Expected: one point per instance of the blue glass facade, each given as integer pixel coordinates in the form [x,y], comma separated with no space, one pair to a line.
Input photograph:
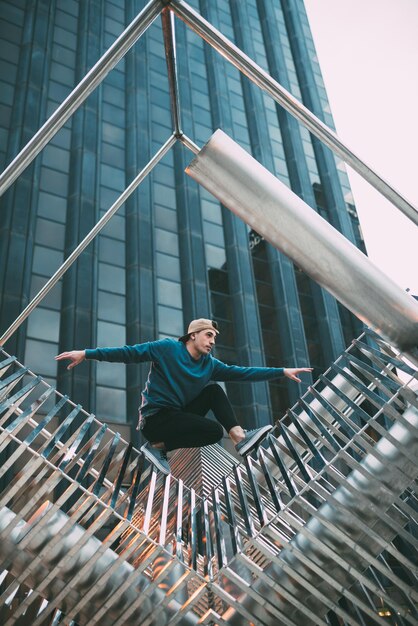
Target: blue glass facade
[171,252]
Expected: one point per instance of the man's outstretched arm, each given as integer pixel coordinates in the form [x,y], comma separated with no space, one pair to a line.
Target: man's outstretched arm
[225,372]
[124,354]
[75,356]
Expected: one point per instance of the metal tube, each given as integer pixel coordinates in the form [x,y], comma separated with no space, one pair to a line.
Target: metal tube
[87,239]
[92,79]
[167,19]
[263,80]
[189,144]
[288,223]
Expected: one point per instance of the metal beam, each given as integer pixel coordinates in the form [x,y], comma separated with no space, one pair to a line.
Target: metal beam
[263,80]
[87,239]
[288,223]
[92,79]
[167,19]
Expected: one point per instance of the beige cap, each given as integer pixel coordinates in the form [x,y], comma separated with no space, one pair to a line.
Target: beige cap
[196,326]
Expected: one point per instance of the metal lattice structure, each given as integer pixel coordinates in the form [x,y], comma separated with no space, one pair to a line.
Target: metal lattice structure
[318,527]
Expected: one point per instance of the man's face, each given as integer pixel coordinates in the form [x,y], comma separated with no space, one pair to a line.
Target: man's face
[204,341]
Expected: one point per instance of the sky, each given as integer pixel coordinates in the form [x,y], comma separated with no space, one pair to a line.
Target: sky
[368,53]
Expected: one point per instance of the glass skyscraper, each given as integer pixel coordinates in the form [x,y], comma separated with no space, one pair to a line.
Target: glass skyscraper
[171,253]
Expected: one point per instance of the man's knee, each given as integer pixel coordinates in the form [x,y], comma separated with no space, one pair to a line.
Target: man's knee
[216,432]
[216,391]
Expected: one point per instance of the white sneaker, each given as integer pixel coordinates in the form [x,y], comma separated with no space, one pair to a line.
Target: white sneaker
[252,439]
[157,457]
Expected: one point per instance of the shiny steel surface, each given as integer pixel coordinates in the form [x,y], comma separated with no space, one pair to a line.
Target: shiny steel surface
[287,222]
[98,537]
[263,80]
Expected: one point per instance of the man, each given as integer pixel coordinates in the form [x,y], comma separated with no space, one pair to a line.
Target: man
[177,395]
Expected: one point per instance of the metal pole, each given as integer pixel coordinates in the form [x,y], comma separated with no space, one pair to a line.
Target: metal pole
[87,239]
[288,223]
[92,79]
[167,19]
[189,144]
[262,79]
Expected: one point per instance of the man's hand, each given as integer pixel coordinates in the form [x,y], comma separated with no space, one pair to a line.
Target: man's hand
[75,356]
[292,372]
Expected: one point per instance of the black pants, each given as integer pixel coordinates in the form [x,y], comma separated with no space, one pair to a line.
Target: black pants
[188,427]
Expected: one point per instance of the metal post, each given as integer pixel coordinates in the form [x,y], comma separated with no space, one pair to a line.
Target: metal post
[189,144]
[87,239]
[167,19]
[92,79]
[262,79]
[288,223]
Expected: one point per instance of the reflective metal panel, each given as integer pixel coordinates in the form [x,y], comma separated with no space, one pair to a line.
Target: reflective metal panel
[287,222]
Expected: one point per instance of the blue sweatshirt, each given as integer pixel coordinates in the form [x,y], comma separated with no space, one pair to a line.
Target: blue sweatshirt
[175,377]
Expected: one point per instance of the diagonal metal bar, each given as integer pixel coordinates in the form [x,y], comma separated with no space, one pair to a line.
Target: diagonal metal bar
[44,422]
[150,501]
[60,431]
[99,436]
[14,401]
[9,383]
[286,475]
[164,510]
[293,452]
[233,525]
[343,420]
[92,79]
[379,378]
[219,535]
[207,540]
[263,80]
[121,474]
[262,515]
[366,391]
[8,361]
[186,141]
[193,540]
[16,376]
[245,509]
[311,446]
[135,488]
[106,464]
[23,418]
[72,450]
[178,535]
[316,420]
[88,238]
[370,350]
[269,479]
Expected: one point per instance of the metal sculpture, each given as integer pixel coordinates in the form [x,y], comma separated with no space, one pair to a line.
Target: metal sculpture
[319,525]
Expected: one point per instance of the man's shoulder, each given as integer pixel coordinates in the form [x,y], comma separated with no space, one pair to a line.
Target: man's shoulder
[167,344]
